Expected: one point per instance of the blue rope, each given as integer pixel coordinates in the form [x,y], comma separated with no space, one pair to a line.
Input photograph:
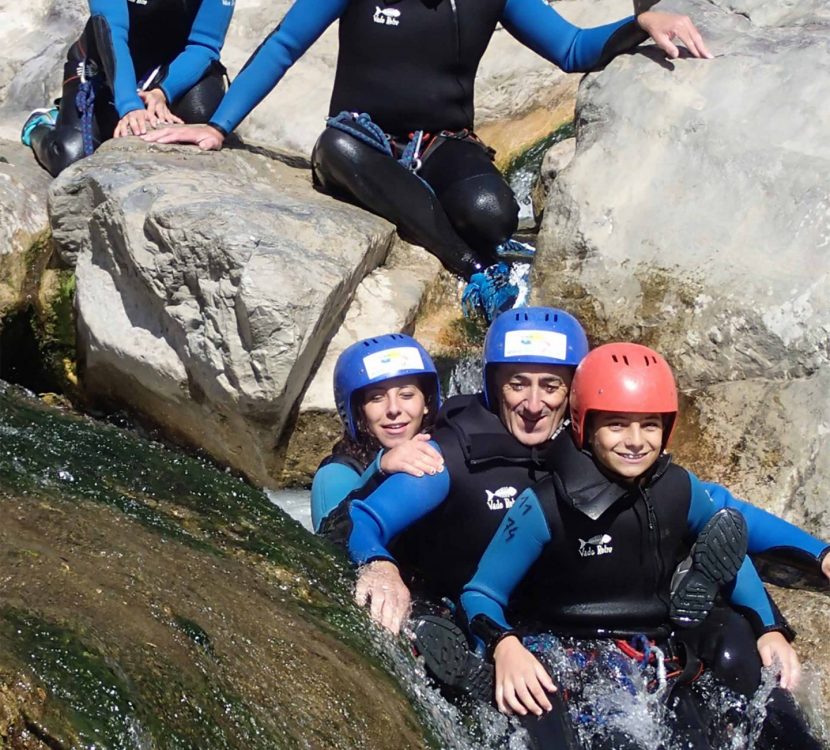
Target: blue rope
[370,133]
[375,137]
[85,102]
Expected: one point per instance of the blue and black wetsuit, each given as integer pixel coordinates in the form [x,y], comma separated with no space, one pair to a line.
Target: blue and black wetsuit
[174,46]
[411,65]
[338,477]
[582,555]
[436,527]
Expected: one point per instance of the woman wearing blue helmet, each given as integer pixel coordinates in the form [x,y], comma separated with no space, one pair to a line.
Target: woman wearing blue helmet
[387,394]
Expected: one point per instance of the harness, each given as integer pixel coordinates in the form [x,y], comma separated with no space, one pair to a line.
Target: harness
[410,153]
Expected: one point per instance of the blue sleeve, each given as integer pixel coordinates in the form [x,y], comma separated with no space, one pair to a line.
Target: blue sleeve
[749,595]
[516,545]
[330,485]
[767,532]
[124,81]
[305,21]
[538,26]
[334,482]
[400,501]
[203,46]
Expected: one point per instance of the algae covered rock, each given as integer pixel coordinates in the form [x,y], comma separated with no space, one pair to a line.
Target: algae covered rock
[148,600]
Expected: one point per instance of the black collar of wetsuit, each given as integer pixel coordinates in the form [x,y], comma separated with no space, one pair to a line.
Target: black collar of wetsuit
[482,436]
[583,484]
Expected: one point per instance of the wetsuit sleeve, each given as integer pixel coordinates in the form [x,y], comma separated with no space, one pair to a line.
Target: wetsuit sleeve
[776,539]
[330,485]
[516,545]
[123,80]
[335,482]
[203,46]
[305,21]
[538,26]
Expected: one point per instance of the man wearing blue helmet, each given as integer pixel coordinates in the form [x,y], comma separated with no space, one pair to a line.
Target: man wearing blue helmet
[493,445]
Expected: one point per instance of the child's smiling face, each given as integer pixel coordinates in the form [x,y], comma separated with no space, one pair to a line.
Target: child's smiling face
[627,443]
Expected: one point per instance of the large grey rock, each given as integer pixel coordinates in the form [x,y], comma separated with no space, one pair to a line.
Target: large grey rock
[208,286]
[23,186]
[695,214]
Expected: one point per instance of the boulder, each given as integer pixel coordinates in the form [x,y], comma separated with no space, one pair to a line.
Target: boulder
[694,215]
[208,286]
[23,233]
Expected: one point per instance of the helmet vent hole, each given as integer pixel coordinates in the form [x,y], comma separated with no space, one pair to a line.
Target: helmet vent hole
[625,359]
[614,357]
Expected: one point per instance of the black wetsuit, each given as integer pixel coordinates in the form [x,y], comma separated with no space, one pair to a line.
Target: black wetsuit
[411,65]
[488,470]
[171,45]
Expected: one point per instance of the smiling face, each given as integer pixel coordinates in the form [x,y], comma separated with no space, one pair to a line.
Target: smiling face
[627,443]
[394,410]
[533,400]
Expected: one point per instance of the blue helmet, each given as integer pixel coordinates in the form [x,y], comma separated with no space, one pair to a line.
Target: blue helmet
[532,335]
[374,360]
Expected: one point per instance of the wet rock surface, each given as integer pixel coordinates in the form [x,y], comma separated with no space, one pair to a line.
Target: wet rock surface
[148,600]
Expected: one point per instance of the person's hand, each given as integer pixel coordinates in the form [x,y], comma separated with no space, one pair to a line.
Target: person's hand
[521,681]
[205,137]
[380,583]
[663,28]
[774,647]
[157,110]
[825,566]
[416,457]
[136,122]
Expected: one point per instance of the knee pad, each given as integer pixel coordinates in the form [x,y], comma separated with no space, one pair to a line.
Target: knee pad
[482,209]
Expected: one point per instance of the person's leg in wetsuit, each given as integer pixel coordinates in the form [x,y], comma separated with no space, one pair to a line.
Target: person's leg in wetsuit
[347,167]
[59,145]
[726,643]
[459,208]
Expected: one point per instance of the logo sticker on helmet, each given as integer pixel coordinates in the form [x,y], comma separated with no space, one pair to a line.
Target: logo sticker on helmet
[390,362]
[535,344]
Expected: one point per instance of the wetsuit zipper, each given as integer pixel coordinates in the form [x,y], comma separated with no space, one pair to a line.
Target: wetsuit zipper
[654,542]
[457,24]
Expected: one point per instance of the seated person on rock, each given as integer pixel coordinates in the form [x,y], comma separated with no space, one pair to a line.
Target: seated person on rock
[401,138]
[136,65]
[591,550]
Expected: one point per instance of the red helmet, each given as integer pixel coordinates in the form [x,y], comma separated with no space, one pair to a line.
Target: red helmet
[622,378]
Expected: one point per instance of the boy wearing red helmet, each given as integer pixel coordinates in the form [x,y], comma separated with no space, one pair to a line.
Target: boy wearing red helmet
[595,545]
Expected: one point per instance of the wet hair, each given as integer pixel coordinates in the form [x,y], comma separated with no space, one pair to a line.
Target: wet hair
[366,446]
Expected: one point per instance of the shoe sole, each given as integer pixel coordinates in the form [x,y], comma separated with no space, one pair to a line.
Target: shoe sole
[718,555]
[449,660]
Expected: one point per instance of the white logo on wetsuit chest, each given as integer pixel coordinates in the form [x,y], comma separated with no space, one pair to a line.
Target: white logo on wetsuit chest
[386,16]
[503,497]
[596,545]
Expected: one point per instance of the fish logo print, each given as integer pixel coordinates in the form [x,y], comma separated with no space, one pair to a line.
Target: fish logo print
[503,497]
[596,545]
[386,16]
